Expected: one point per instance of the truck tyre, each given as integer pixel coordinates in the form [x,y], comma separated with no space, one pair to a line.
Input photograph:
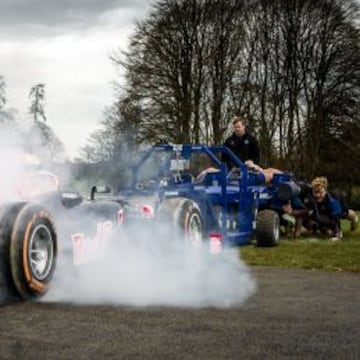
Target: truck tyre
[28,250]
[267,228]
[182,219]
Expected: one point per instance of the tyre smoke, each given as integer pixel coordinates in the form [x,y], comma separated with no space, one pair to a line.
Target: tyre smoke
[13,162]
[142,270]
[138,267]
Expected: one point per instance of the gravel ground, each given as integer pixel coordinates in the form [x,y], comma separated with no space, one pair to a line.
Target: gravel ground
[294,314]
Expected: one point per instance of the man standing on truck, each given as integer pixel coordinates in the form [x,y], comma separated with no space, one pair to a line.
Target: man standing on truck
[243,144]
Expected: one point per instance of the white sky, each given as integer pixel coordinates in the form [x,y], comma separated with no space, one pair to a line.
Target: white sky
[66,45]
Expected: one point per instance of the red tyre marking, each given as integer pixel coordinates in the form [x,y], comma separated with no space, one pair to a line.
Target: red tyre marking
[25,251]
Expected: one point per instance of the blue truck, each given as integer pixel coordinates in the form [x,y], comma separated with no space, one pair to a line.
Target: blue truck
[231,205]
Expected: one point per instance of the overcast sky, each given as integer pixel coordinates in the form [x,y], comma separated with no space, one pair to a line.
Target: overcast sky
[66,45]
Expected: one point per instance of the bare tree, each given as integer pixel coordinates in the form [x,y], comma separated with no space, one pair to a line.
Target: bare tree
[180,65]
[42,139]
[37,99]
[115,144]
[298,79]
[224,41]
[321,63]
[291,67]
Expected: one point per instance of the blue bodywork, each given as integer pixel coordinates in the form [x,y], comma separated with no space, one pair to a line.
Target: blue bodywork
[229,200]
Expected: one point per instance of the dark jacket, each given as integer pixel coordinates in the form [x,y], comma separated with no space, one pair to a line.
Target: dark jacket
[245,147]
[326,213]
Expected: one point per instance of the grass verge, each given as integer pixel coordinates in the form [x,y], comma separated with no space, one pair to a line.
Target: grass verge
[309,253]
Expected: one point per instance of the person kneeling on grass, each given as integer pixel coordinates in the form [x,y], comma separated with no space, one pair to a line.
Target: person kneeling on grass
[317,211]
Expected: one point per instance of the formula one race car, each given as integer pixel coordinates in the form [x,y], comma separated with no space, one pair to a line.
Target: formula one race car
[224,206]
[46,228]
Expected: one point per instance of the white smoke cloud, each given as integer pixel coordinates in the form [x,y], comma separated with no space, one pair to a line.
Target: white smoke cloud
[143,269]
[12,160]
[146,272]
[22,161]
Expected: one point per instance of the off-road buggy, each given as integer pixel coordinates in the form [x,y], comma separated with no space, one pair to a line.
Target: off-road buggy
[228,206]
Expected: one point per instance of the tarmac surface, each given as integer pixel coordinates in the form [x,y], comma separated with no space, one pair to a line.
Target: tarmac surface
[294,314]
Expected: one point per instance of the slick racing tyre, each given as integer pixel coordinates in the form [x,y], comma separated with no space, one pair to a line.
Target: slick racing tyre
[267,228]
[28,250]
[182,219]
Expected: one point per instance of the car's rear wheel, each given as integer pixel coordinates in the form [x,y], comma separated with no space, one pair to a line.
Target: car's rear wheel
[28,250]
[267,228]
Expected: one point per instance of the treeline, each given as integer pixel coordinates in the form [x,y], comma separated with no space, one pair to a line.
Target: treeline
[290,67]
[35,136]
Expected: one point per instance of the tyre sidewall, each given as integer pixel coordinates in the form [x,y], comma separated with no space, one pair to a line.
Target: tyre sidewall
[27,220]
[174,218]
[187,212]
[267,228]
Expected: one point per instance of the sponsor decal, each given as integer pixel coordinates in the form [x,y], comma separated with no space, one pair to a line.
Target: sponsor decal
[86,249]
[265,196]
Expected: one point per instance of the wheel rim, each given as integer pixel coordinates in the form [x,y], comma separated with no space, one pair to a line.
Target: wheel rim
[276,230]
[41,252]
[195,230]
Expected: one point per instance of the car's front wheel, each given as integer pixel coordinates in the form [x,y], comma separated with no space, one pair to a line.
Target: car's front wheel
[28,250]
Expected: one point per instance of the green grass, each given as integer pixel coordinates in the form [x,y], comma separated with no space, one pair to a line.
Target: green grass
[309,253]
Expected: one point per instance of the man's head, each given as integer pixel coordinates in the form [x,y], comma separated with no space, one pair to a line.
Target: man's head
[319,188]
[239,126]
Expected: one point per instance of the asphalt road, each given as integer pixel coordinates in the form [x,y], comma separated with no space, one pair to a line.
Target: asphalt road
[294,314]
